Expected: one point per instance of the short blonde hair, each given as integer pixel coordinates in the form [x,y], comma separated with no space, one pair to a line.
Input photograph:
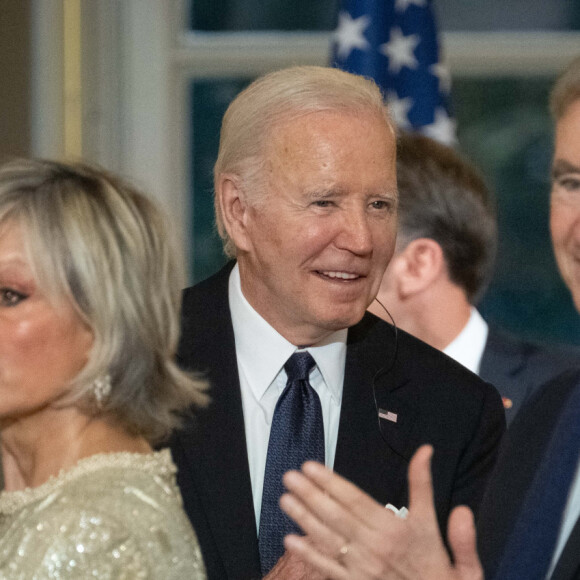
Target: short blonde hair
[278,98]
[566,89]
[95,241]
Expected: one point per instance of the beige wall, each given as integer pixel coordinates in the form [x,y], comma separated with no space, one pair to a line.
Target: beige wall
[14,78]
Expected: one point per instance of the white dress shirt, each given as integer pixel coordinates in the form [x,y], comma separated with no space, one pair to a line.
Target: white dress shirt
[468,346]
[261,354]
[571,514]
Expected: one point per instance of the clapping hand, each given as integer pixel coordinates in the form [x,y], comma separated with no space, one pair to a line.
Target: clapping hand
[349,536]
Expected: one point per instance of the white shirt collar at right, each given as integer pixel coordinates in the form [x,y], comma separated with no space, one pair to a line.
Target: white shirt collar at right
[468,346]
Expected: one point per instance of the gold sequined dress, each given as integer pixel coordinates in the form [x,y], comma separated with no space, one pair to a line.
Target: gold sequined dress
[111,516]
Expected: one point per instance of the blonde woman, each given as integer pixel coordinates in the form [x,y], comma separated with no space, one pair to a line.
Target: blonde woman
[89,300]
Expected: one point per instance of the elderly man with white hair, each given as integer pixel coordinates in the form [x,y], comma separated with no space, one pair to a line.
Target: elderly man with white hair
[306,203]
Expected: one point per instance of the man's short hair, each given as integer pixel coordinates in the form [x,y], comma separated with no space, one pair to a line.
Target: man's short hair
[277,98]
[444,198]
[566,89]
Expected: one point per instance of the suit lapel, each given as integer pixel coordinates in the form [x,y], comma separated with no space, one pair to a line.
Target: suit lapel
[216,446]
[500,360]
[374,452]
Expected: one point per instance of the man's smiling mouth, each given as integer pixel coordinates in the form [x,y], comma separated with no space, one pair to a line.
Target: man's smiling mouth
[336,275]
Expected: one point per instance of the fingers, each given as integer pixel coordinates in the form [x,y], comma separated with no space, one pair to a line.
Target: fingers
[316,498]
[337,539]
[462,540]
[420,485]
[326,522]
[327,566]
[375,544]
[361,507]
[321,535]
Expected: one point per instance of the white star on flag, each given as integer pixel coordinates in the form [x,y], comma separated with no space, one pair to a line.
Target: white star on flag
[350,34]
[395,43]
[399,50]
[442,129]
[441,71]
[402,5]
[399,109]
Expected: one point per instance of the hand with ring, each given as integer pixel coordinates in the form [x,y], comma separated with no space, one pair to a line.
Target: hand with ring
[349,536]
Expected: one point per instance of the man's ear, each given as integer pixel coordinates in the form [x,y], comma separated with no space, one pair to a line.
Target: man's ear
[421,264]
[234,209]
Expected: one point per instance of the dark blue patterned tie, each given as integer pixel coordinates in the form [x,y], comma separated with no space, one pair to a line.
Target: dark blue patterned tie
[530,547]
[296,435]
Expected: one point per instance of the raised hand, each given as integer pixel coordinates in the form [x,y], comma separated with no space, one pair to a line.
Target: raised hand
[349,536]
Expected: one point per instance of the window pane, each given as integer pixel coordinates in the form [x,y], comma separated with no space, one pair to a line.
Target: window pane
[513,15]
[505,128]
[213,15]
[209,101]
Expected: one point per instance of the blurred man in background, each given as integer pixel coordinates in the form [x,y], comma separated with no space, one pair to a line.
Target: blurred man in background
[444,258]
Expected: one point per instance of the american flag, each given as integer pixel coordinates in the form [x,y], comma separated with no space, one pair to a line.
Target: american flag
[395,43]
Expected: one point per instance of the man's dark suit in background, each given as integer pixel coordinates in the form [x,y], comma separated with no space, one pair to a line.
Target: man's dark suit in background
[434,399]
[443,261]
[522,452]
[517,367]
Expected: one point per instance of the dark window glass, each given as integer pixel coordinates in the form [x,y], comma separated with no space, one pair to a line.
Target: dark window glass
[513,15]
[505,128]
[209,101]
[214,15]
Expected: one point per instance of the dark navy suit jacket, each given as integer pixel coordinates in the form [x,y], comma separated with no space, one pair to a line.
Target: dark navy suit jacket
[522,452]
[435,399]
[517,367]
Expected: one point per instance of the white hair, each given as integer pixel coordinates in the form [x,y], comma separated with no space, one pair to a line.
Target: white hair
[278,98]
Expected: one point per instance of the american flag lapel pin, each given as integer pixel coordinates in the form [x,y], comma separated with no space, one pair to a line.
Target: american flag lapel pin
[388,415]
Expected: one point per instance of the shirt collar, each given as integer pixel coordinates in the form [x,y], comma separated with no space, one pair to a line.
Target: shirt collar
[262,365]
[467,347]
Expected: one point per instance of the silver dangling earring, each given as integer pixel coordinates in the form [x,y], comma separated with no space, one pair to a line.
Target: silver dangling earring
[101,389]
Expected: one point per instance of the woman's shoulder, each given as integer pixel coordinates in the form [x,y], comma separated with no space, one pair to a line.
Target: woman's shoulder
[115,513]
[135,478]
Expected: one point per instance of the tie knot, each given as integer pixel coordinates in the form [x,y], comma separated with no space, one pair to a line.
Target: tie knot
[299,365]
